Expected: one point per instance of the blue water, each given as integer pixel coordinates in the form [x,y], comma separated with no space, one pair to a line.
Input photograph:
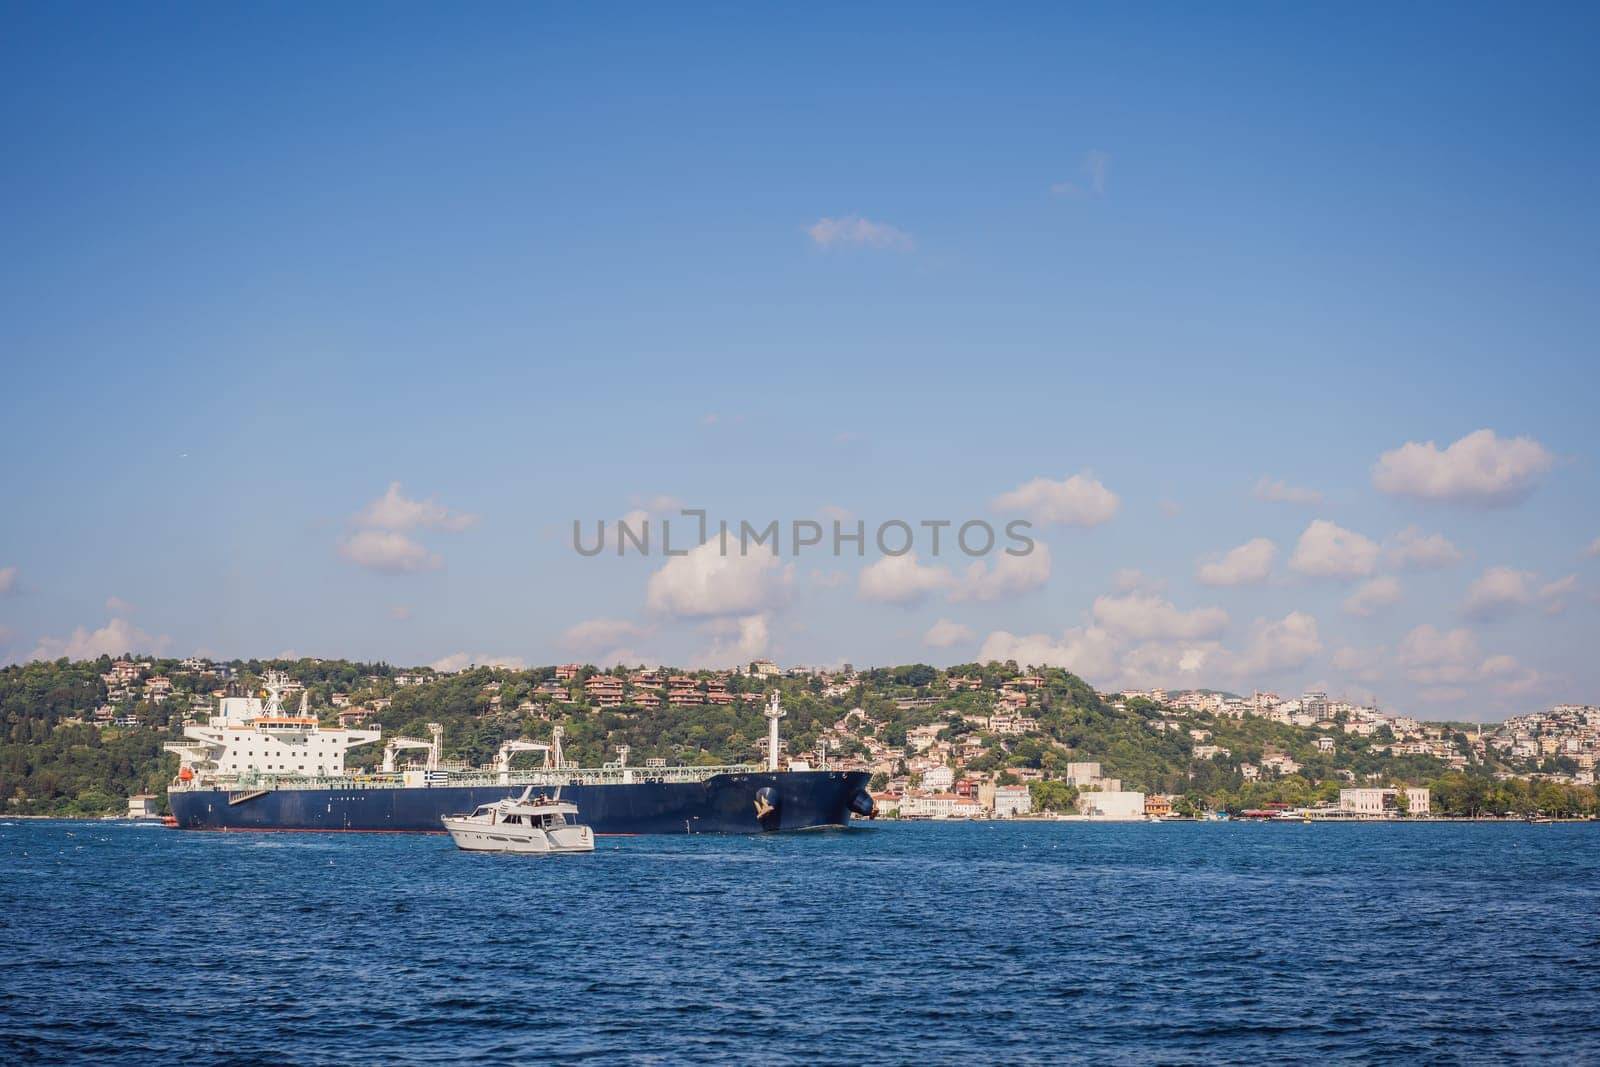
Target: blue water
[913,943]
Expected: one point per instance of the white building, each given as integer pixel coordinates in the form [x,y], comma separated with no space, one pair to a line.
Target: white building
[1011,801]
[939,806]
[1122,804]
[1381,802]
[938,779]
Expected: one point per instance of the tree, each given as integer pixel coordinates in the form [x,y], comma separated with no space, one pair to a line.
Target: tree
[1050,795]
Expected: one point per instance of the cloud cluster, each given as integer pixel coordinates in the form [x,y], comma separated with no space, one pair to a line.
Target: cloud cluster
[847,230]
[1081,500]
[735,640]
[8,580]
[382,540]
[905,582]
[704,583]
[460,661]
[1248,564]
[1137,637]
[1451,658]
[592,635]
[1096,168]
[115,638]
[1415,550]
[1499,591]
[1373,596]
[1481,468]
[947,633]
[388,552]
[1279,491]
[395,511]
[1328,550]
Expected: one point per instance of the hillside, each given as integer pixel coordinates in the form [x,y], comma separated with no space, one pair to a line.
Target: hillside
[79,736]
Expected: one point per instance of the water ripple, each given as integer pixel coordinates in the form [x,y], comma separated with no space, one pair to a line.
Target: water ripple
[923,943]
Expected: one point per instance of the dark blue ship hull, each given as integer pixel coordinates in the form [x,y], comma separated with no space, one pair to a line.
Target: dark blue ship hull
[722,804]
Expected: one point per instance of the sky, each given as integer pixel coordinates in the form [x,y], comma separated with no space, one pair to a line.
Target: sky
[322,325]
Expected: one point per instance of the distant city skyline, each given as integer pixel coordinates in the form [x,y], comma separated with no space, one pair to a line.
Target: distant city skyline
[322,330]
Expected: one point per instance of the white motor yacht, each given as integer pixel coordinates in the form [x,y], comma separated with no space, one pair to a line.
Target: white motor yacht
[528,823]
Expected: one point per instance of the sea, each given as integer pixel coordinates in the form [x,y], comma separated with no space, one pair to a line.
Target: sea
[889,943]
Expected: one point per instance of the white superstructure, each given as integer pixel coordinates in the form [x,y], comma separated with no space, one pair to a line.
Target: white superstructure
[251,736]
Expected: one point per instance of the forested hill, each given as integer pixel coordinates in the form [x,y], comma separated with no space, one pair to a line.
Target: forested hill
[80,736]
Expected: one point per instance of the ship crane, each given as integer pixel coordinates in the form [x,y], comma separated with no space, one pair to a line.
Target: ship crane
[395,744]
[502,759]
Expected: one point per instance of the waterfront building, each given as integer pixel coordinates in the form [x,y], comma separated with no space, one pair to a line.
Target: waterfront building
[1381,802]
[1011,801]
[1120,804]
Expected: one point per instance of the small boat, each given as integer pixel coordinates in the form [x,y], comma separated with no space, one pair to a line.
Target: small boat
[525,824]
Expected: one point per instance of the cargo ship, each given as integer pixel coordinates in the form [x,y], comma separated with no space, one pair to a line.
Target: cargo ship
[257,766]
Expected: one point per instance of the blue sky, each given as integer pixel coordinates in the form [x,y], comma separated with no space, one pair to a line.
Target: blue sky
[537,264]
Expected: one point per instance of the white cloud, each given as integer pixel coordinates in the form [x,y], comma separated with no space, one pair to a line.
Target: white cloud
[704,583]
[1278,644]
[1170,508]
[388,552]
[1452,658]
[902,580]
[113,639]
[1088,652]
[828,579]
[117,606]
[1554,594]
[1482,468]
[1413,549]
[946,634]
[1010,576]
[382,539]
[1373,596]
[1140,639]
[1145,616]
[1281,492]
[860,232]
[1434,657]
[1327,550]
[1132,579]
[400,613]
[1364,665]
[593,634]
[1247,564]
[395,511]
[460,661]
[8,580]
[1592,552]
[1497,592]
[735,641]
[1080,500]
[1096,168]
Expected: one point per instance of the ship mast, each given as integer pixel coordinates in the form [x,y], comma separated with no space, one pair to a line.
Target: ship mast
[774,713]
